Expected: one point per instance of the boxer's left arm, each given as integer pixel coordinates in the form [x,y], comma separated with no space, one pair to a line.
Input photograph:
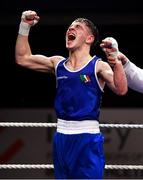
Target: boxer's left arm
[134,74]
[115,77]
[119,81]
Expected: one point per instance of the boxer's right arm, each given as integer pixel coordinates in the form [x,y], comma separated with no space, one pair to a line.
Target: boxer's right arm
[23,54]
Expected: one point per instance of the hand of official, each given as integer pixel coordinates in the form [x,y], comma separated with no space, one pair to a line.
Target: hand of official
[29,18]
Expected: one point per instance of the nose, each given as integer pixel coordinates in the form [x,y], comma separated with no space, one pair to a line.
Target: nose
[71,28]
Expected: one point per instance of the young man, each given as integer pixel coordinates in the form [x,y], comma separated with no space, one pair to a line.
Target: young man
[78,143]
[134,74]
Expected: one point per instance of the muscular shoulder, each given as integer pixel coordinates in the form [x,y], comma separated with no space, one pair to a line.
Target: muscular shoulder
[102,66]
[56,59]
[104,71]
[42,63]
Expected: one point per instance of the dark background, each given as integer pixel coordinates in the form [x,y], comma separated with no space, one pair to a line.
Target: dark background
[21,87]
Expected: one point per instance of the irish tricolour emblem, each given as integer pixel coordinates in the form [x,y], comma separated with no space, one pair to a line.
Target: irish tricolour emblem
[85,78]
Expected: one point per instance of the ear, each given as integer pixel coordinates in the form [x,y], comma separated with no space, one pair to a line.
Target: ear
[90,39]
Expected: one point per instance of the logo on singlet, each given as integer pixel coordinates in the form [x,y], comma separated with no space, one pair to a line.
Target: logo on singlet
[62,77]
[85,78]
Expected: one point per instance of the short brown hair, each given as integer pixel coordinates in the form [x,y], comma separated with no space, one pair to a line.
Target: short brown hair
[92,27]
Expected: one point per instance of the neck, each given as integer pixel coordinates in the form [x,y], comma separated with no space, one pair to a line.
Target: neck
[79,55]
[77,59]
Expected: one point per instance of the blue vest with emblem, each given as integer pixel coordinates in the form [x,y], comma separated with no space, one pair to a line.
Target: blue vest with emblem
[79,94]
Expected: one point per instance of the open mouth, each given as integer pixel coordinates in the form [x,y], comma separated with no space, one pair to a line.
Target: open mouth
[71,37]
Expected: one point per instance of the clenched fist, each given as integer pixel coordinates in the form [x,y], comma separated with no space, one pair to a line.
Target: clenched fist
[30,17]
[110,47]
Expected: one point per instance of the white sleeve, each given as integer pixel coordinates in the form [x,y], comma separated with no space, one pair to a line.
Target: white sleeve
[134,76]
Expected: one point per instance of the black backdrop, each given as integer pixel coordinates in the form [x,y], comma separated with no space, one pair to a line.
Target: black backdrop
[21,87]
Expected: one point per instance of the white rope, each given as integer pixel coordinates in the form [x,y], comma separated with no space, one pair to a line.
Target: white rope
[26,166]
[125,167]
[121,125]
[28,124]
[50,166]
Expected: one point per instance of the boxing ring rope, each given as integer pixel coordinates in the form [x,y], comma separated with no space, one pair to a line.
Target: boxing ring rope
[50,166]
[27,124]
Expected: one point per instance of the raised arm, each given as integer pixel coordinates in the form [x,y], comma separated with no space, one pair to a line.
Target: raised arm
[23,54]
[134,74]
[114,77]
